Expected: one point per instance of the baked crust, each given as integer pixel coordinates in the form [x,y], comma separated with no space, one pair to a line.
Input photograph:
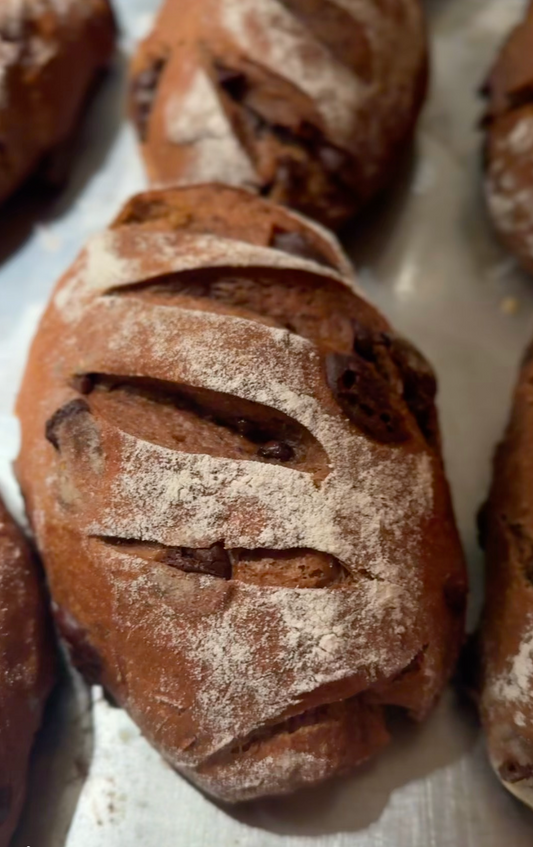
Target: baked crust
[51,52]
[509,142]
[232,468]
[310,103]
[26,667]
[507,628]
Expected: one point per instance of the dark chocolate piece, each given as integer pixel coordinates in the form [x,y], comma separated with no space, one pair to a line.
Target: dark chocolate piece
[365,397]
[279,451]
[393,356]
[514,772]
[233,82]
[211,561]
[70,410]
[83,383]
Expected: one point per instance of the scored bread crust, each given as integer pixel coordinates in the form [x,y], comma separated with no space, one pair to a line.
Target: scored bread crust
[240,499]
[509,142]
[506,690]
[307,102]
[50,53]
[26,667]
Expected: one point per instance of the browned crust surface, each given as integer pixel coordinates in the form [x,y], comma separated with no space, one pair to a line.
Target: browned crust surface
[507,631]
[310,103]
[50,54]
[509,142]
[232,467]
[26,667]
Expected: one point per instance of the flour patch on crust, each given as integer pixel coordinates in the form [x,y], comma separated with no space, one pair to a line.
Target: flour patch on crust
[516,684]
[196,120]
[318,637]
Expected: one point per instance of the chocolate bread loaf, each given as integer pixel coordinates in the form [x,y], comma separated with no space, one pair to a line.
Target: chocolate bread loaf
[232,467]
[509,142]
[51,52]
[26,667]
[307,102]
[507,631]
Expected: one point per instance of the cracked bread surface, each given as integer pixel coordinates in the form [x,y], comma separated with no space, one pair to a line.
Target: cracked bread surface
[232,467]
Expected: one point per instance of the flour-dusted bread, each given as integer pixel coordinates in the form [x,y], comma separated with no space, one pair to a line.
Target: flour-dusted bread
[232,467]
[26,667]
[51,51]
[509,142]
[310,103]
[507,632]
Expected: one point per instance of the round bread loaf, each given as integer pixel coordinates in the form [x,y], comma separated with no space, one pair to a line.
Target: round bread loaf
[26,667]
[50,53]
[232,467]
[507,631]
[310,103]
[509,142]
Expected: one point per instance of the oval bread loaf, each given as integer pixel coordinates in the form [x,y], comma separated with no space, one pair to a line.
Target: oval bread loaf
[507,630]
[51,51]
[310,103]
[232,467]
[509,142]
[26,667]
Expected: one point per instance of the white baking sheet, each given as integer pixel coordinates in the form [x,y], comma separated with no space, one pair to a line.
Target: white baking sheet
[429,259]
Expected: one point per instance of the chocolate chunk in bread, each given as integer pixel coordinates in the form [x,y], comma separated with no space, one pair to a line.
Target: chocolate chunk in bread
[83,383]
[66,412]
[419,386]
[513,772]
[280,451]
[406,370]
[232,81]
[212,561]
[365,397]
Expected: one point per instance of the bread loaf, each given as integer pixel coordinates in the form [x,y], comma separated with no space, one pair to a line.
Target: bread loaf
[509,142]
[310,103]
[26,667]
[50,54]
[232,467]
[507,631]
